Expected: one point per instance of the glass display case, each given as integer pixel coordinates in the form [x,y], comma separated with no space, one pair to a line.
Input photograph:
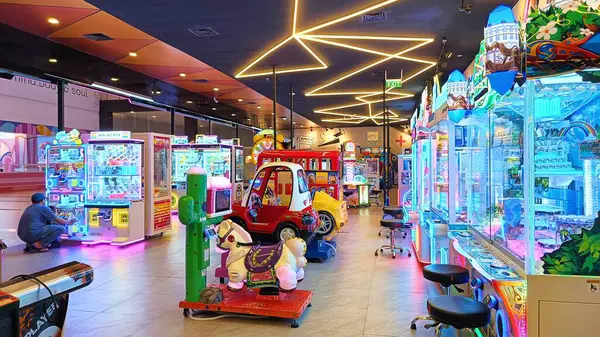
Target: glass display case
[115,172]
[439,200]
[66,183]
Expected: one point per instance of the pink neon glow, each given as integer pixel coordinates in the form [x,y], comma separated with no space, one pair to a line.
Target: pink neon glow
[91,243]
[126,243]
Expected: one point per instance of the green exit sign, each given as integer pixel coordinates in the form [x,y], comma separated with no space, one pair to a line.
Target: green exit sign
[393,84]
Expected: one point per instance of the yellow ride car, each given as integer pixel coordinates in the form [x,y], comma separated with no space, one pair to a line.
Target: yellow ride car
[333,213]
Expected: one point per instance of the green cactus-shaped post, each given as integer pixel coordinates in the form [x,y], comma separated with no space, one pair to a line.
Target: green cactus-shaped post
[192,213]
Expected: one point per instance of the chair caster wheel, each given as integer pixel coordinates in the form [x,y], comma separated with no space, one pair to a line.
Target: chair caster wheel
[376,254]
[295,325]
[379,234]
[413,326]
[409,254]
[381,250]
[186,312]
[393,256]
[401,250]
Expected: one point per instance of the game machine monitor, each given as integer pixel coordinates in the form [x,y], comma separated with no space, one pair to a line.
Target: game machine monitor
[219,197]
[157,182]
[66,181]
[115,194]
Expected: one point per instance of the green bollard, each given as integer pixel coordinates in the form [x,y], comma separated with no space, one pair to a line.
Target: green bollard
[192,213]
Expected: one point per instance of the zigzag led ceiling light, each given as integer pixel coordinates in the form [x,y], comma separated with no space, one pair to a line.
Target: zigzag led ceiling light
[311,34]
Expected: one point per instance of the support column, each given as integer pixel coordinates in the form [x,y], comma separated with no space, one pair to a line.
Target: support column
[291,116]
[61,105]
[190,126]
[172,121]
[237,131]
[274,107]
[209,127]
[383,142]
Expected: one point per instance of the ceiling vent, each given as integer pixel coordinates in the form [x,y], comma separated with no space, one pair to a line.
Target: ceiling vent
[374,17]
[203,31]
[97,37]
[201,80]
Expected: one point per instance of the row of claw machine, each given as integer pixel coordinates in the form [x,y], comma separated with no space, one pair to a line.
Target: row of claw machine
[218,157]
[117,186]
[509,168]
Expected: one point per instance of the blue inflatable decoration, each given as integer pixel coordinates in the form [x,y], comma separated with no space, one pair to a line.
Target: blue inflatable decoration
[503,49]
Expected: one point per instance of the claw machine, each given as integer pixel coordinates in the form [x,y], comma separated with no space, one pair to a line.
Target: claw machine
[237,167]
[157,182]
[115,194]
[183,158]
[66,181]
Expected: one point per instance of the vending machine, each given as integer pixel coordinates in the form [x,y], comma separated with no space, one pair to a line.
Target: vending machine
[157,182]
[237,167]
[66,181]
[115,194]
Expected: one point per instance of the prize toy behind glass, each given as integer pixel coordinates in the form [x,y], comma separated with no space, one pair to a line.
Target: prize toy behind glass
[115,197]
[66,181]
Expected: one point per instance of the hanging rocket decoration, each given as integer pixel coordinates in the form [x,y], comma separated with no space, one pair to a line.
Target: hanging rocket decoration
[457,101]
[503,49]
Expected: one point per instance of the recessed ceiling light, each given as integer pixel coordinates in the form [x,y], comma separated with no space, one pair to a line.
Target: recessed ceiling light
[258,107]
[131,112]
[293,122]
[153,116]
[52,60]
[182,75]
[158,92]
[114,79]
[216,89]
[248,118]
[189,102]
[459,55]
[232,115]
[285,118]
[240,100]
[301,126]
[53,21]
[133,54]
[214,109]
[272,113]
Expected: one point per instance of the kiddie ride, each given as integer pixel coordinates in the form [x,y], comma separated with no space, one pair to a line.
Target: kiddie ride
[274,270]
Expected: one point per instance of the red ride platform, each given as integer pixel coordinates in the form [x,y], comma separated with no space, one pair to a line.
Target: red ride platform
[250,302]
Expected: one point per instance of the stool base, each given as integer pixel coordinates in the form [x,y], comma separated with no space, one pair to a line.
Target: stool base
[439,326]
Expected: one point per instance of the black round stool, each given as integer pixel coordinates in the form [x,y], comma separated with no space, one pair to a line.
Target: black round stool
[393,225]
[446,275]
[458,312]
[393,213]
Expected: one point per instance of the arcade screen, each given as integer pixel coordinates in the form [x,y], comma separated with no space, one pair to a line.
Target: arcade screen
[114,172]
[222,200]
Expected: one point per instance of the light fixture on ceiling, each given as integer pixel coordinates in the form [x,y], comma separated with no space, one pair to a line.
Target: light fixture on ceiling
[153,116]
[240,100]
[158,92]
[448,54]
[216,89]
[259,107]
[272,113]
[182,75]
[53,21]
[189,102]
[131,112]
[232,115]
[285,118]
[293,122]
[114,79]
[459,55]
[214,109]
[133,54]
[53,60]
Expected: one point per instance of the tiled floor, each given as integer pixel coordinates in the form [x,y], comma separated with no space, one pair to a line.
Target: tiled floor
[137,289]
